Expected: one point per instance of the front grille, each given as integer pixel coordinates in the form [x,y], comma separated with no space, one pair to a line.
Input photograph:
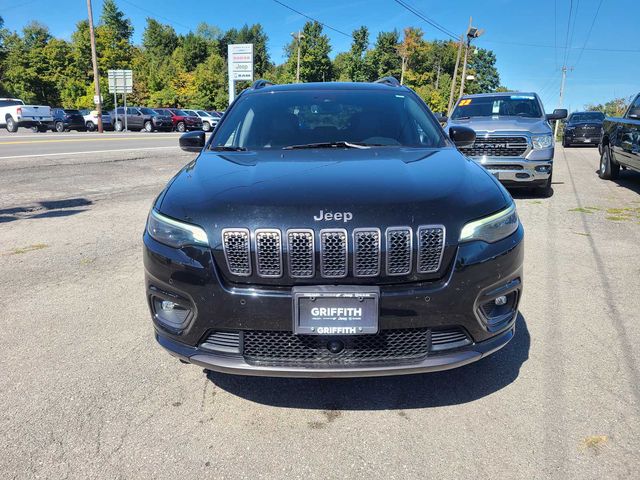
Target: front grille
[236,250]
[430,243]
[300,246]
[399,250]
[445,339]
[268,253]
[333,253]
[497,147]
[267,347]
[366,256]
[503,166]
[222,342]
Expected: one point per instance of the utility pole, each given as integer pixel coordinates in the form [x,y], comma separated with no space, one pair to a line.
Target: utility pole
[404,66]
[298,36]
[455,76]
[438,77]
[564,78]
[472,32]
[94,59]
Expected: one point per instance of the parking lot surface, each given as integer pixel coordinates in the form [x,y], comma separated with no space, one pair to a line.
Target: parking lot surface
[86,392]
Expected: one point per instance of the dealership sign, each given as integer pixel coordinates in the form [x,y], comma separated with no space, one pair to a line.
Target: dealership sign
[240,61]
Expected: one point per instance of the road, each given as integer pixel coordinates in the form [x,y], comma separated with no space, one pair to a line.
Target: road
[86,393]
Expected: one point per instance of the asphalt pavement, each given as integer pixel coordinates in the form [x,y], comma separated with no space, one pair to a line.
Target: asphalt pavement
[86,393]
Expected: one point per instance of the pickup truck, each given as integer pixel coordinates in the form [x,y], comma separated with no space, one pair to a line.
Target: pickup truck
[14,113]
[620,146]
[514,139]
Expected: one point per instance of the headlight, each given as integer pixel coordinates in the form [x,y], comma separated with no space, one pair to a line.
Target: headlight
[542,141]
[174,233]
[493,228]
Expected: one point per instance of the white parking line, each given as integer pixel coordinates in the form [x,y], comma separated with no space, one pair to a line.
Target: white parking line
[88,152]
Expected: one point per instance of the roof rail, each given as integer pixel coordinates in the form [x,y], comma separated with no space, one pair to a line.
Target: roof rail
[391,81]
[261,83]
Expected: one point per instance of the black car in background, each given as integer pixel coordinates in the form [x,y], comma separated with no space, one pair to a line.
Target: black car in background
[620,147]
[332,230]
[65,119]
[583,128]
[141,118]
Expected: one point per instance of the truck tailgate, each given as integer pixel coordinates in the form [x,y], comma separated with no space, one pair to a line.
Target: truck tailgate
[37,112]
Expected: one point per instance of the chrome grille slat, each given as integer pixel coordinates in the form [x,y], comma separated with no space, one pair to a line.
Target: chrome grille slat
[399,250]
[430,247]
[366,252]
[497,147]
[268,253]
[236,244]
[301,253]
[333,252]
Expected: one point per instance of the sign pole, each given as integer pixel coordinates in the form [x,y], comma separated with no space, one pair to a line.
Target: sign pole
[115,110]
[126,126]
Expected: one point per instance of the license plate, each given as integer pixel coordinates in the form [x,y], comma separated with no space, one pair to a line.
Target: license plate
[332,310]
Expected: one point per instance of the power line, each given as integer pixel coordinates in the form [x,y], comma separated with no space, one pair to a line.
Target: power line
[566,39]
[589,32]
[555,30]
[313,19]
[573,27]
[539,45]
[154,14]
[431,22]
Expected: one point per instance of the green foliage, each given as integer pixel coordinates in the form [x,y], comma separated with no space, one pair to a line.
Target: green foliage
[114,19]
[612,108]
[158,40]
[315,65]
[483,66]
[357,68]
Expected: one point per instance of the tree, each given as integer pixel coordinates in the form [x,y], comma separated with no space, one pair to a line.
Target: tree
[159,40]
[383,59]
[482,65]
[315,65]
[194,50]
[612,108]
[356,67]
[114,19]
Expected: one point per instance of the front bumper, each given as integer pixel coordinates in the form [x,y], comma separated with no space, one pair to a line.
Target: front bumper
[479,272]
[534,169]
[583,139]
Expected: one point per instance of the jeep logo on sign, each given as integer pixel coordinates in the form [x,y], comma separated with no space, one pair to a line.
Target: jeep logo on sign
[338,216]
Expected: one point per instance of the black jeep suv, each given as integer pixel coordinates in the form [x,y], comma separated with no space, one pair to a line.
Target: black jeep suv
[332,229]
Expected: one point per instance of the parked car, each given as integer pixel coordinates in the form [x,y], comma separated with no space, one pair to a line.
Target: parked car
[91,120]
[583,128]
[142,118]
[14,113]
[514,138]
[340,233]
[181,120]
[620,146]
[208,121]
[65,119]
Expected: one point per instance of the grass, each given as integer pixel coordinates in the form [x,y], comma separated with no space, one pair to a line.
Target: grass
[30,248]
[618,218]
[581,210]
[595,442]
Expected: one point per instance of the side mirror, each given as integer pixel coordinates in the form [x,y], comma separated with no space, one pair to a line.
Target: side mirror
[442,117]
[558,114]
[192,141]
[634,113]
[462,136]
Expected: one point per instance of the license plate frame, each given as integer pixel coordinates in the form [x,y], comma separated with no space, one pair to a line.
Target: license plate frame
[343,322]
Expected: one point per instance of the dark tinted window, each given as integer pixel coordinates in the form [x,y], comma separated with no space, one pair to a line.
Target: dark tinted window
[10,103]
[162,111]
[71,112]
[179,112]
[148,111]
[512,105]
[582,117]
[284,118]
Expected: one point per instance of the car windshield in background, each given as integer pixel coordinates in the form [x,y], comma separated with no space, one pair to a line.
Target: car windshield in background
[202,113]
[191,113]
[161,111]
[503,105]
[182,113]
[148,111]
[326,118]
[586,117]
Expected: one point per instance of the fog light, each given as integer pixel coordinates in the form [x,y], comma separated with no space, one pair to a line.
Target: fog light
[170,314]
[543,168]
[502,300]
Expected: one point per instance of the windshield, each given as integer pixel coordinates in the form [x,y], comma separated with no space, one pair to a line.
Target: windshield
[586,117]
[203,113]
[10,103]
[179,112]
[190,113]
[71,112]
[294,118]
[507,105]
[148,111]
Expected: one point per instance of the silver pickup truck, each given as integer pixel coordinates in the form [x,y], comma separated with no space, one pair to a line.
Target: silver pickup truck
[514,139]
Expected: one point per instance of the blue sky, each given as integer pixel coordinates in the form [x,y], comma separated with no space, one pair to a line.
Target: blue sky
[523,33]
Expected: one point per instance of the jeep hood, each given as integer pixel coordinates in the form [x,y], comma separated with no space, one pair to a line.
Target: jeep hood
[380,187]
[499,123]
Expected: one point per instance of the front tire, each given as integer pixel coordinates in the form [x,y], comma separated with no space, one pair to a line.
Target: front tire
[118,126]
[609,169]
[148,126]
[545,191]
[12,125]
[206,126]
[59,127]
[181,127]
[91,127]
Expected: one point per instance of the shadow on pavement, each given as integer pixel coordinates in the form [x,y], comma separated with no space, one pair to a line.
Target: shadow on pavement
[45,209]
[629,179]
[450,387]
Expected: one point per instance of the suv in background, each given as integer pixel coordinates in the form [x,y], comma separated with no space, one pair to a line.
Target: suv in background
[620,146]
[65,119]
[514,139]
[208,121]
[91,119]
[181,120]
[583,128]
[142,118]
[339,234]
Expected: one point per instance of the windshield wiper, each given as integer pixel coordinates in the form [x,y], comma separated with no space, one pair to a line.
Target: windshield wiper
[339,144]
[227,148]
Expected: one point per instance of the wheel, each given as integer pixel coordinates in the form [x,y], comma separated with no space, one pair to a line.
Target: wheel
[181,127]
[609,169]
[59,127]
[91,126]
[35,129]
[206,126]
[148,126]
[545,191]
[118,126]
[12,125]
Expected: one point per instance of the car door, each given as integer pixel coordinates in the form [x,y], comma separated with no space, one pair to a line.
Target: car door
[629,146]
[134,119]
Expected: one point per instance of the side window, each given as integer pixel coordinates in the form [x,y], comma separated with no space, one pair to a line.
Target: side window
[634,109]
[131,111]
[120,110]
